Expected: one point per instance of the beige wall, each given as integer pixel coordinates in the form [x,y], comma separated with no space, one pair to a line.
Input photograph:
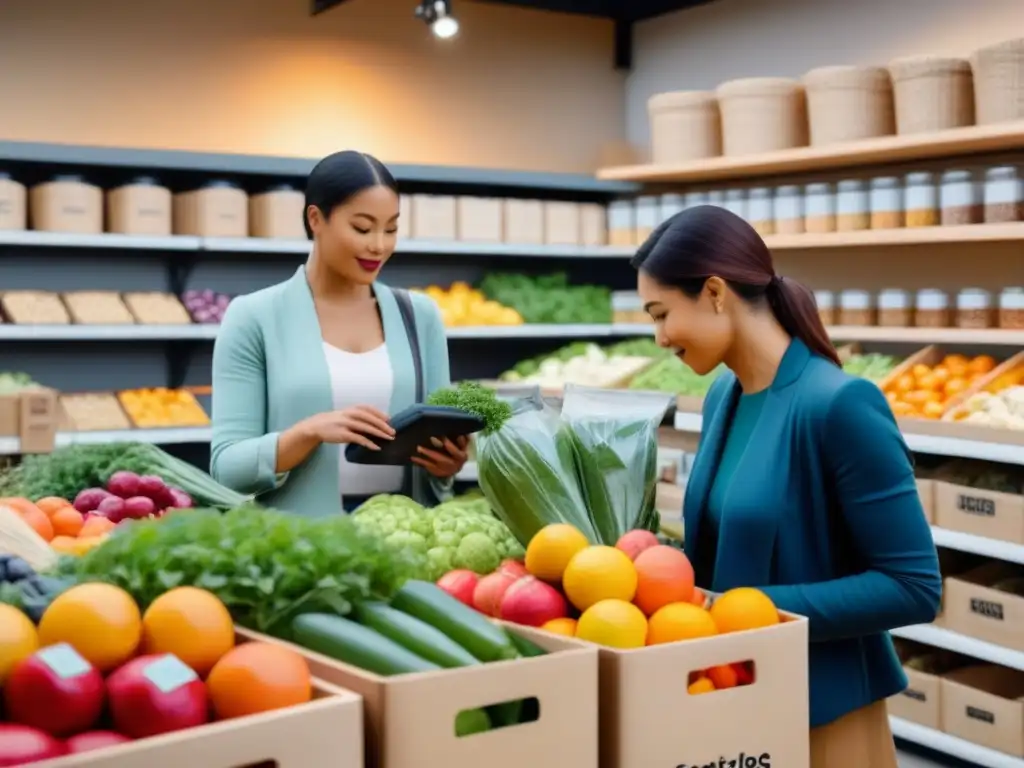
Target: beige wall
[518,89]
[743,38]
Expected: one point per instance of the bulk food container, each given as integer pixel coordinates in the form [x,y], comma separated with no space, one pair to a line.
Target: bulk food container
[13,203]
[685,126]
[278,213]
[593,224]
[480,219]
[434,217]
[819,208]
[960,199]
[931,309]
[762,114]
[849,103]
[218,209]
[853,205]
[524,221]
[66,203]
[999,81]
[561,223]
[140,207]
[671,204]
[933,93]
[761,211]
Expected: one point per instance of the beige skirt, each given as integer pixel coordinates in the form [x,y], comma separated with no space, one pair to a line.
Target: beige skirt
[860,739]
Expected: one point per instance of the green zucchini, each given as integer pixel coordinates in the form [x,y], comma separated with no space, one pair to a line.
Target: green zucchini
[477,634]
[526,647]
[470,721]
[348,642]
[414,635]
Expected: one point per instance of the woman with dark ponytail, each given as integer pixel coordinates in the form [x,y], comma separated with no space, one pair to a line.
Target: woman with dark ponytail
[802,485]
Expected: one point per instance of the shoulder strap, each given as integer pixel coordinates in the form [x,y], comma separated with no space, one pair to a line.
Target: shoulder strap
[405,308]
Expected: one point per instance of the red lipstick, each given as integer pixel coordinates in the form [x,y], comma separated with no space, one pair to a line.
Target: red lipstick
[368,265]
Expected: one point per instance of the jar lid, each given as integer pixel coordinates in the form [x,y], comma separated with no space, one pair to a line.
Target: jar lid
[69,178]
[884,182]
[1001,172]
[931,298]
[846,76]
[280,188]
[760,192]
[787,190]
[219,184]
[973,298]
[759,86]
[735,195]
[853,299]
[818,188]
[143,181]
[1011,298]
[851,185]
[893,298]
[696,198]
[953,177]
[825,299]
[680,100]
[673,198]
[920,177]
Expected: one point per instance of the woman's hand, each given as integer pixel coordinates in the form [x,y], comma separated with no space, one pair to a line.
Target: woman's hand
[353,425]
[446,462]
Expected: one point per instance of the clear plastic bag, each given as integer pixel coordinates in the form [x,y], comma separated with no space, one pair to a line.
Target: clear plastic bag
[529,477]
[613,437]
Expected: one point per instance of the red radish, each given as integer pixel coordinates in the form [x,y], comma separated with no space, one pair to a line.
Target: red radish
[124,484]
[460,584]
[89,499]
[113,509]
[21,745]
[513,568]
[153,487]
[90,740]
[156,694]
[139,507]
[179,499]
[635,542]
[532,602]
[489,591]
[54,690]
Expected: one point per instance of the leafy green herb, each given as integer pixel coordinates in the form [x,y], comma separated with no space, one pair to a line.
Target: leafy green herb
[475,399]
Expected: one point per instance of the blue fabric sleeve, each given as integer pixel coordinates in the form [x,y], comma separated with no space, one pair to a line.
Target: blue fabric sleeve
[242,456]
[872,469]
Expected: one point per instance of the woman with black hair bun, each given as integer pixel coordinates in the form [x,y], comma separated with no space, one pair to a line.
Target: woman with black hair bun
[321,360]
[802,485]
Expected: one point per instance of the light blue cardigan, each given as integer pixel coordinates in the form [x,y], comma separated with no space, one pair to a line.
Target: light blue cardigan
[269,372]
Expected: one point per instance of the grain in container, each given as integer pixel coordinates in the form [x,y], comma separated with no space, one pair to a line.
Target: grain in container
[593,224]
[669,206]
[648,209]
[685,126]
[921,200]
[762,114]
[974,309]
[479,219]
[933,93]
[761,211]
[886,203]
[217,209]
[856,308]
[622,222]
[849,103]
[693,199]
[736,202]
[931,309]
[895,308]
[66,203]
[826,301]
[819,208]
[434,217]
[142,206]
[960,199]
[789,210]
[13,203]
[1011,309]
[853,206]
[561,223]
[999,81]
[524,221]
[278,213]
[1004,195]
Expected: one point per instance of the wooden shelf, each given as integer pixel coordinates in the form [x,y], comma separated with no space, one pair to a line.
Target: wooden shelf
[975,233]
[956,142]
[987,336]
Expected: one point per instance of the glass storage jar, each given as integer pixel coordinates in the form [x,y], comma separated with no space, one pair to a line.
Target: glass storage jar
[760,211]
[931,309]
[974,309]
[819,208]
[856,308]
[716,197]
[693,199]
[1011,309]
[826,301]
[736,202]
[853,206]
[921,200]
[789,210]
[1004,195]
[671,204]
[895,309]
[959,199]
[886,203]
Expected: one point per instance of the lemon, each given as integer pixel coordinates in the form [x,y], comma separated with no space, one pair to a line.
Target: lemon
[598,573]
[615,623]
[18,639]
[551,549]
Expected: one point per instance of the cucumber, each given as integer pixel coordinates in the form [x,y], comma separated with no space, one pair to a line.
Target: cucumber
[414,635]
[471,721]
[348,642]
[477,634]
[526,647]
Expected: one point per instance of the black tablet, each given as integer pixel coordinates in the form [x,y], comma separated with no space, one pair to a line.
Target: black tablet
[414,427]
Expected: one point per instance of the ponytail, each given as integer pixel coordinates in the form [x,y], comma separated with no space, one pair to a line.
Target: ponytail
[793,305]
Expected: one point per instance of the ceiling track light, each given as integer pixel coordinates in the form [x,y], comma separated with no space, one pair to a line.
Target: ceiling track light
[437,14]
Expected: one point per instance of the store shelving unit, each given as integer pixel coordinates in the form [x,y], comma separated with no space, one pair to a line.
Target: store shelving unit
[951,745]
[938,637]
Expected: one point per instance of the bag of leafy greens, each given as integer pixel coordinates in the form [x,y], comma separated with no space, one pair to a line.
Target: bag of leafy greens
[528,476]
[613,438]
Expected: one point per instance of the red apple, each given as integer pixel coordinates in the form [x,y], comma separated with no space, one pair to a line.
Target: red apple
[533,603]
[513,568]
[54,690]
[489,591]
[21,745]
[635,542]
[460,584]
[156,694]
[90,740]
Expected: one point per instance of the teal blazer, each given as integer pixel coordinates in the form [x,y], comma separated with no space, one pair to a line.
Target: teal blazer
[269,372]
[826,520]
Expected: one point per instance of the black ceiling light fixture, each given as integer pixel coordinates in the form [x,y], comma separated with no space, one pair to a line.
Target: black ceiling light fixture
[437,14]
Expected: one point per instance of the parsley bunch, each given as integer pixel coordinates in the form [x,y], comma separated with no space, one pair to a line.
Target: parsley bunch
[475,399]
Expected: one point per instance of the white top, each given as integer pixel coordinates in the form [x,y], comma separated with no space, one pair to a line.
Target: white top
[363,379]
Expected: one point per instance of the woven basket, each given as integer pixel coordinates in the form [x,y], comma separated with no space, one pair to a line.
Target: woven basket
[933,93]
[762,114]
[849,103]
[999,81]
[685,126]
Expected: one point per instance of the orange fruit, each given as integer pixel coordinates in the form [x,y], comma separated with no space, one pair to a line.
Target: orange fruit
[258,677]
[981,364]
[566,627]
[599,573]
[920,370]
[903,409]
[51,504]
[31,514]
[664,575]
[904,383]
[679,621]
[954,386]
[19,504]
[742,609]
[96,526]
[700,685]
[723,676]
[614,623]
[929,381]
[957,370]
[551,549]
[190,623]
[18,639]
[933,410]
[100,621]
[67,522]
[954,359]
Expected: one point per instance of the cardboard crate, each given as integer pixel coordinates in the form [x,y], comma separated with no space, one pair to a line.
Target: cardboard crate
[984,704]
[326,733]
[957,412]
[926,490]
[920,701]
[990,514]
[32,416]
[410,719]
[972,607]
